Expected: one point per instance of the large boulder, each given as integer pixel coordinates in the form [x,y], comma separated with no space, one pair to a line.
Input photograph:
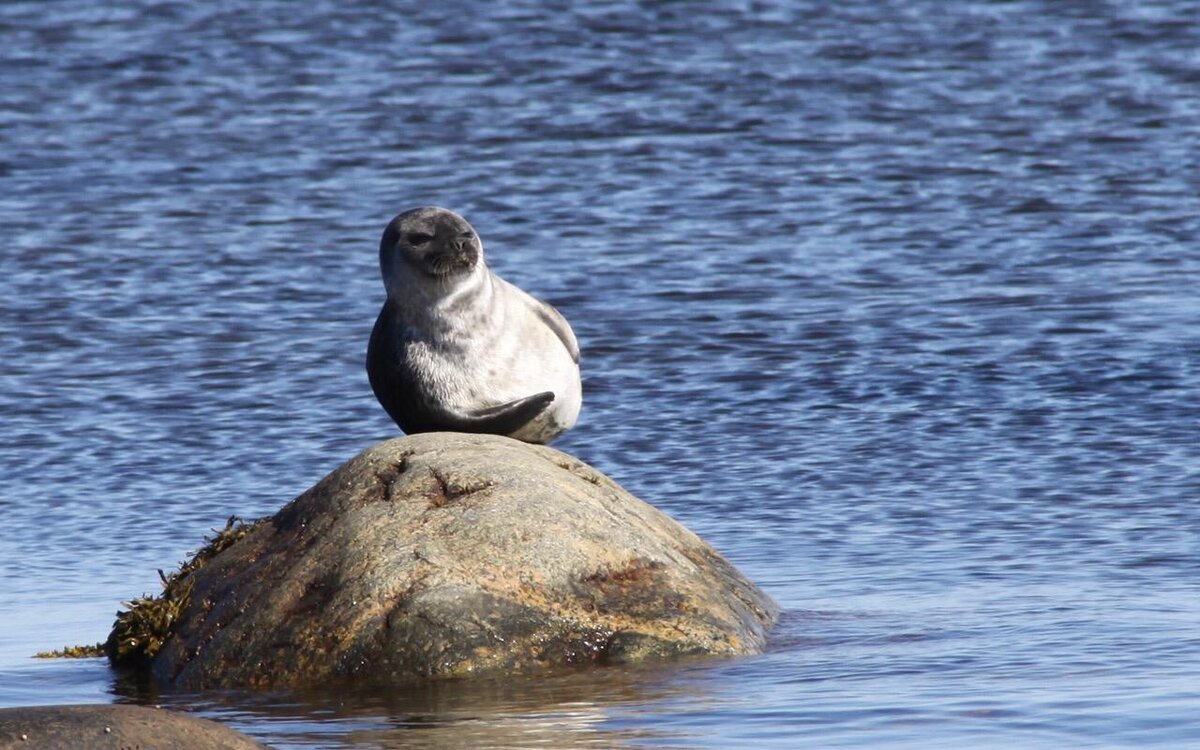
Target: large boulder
[443,555]
[112,726]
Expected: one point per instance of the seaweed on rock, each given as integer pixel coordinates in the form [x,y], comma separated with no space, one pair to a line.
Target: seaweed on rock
[140,631]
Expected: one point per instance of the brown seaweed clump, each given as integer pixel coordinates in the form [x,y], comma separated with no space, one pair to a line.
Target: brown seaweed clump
[140,631]
[73,652]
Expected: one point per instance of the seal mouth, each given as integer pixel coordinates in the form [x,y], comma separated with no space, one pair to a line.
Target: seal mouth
[448,264]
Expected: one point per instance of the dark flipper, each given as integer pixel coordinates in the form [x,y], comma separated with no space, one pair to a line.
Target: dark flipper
[502,419]
[406,402]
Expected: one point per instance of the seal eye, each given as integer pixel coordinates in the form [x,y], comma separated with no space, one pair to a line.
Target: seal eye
[417,238]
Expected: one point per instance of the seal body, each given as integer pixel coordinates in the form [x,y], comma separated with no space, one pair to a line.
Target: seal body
[457,348]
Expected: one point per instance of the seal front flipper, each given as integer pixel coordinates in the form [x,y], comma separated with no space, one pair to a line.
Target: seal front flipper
[557,323]
[503,418]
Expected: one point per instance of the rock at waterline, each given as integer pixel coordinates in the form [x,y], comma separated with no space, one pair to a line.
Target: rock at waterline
[112,726]
[445,555]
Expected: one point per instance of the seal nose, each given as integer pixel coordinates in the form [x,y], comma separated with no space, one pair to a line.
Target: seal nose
[462,243]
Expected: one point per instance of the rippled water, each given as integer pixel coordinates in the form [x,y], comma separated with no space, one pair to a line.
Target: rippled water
[897,303]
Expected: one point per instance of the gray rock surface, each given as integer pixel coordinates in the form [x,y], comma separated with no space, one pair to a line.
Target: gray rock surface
[112,726]
[444,555]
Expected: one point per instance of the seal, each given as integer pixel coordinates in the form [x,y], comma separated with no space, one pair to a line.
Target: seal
[458,348]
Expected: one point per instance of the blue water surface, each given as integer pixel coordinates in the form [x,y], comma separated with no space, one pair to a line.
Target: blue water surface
[896,303]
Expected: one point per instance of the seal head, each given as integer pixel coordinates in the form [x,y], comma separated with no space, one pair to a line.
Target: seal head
[457,348]
[429,241]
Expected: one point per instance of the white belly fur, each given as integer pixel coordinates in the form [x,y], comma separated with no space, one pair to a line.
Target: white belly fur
[497,350]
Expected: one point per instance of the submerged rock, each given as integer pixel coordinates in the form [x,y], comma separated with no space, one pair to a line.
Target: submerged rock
[113,726]
[444,555]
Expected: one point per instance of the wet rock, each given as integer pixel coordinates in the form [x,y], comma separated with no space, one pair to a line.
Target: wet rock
[112,726]
[444,555]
